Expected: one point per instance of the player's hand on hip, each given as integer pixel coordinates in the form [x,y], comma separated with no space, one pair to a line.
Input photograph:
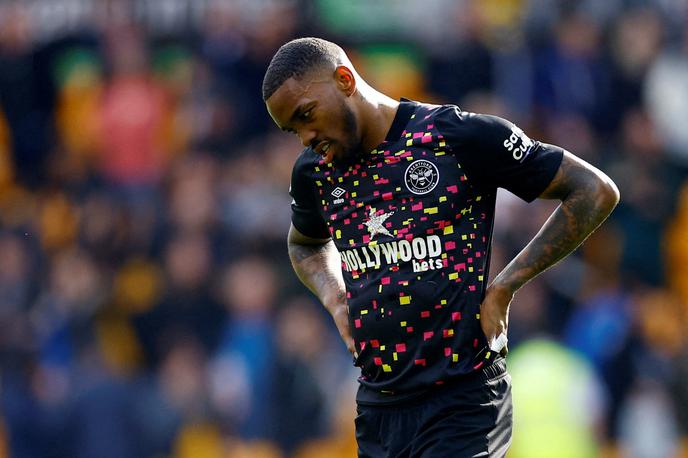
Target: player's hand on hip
[494,317]
[340,313]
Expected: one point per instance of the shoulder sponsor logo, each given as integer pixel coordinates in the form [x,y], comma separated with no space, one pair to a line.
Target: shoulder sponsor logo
[518,144]
[421,176]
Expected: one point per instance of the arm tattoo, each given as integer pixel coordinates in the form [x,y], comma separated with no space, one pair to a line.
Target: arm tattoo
[588,196]
[319,269]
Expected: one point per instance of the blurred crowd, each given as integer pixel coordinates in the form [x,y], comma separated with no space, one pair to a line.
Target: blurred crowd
[147,304]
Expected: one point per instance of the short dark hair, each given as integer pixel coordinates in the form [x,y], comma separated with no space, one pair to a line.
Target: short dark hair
[295,59]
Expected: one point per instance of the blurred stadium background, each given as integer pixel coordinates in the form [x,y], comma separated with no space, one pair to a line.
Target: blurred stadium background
[147,307]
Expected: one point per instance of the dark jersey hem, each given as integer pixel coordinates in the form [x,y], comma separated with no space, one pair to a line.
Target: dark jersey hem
[369,397]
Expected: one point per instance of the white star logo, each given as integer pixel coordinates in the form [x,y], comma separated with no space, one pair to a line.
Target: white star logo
[375,223]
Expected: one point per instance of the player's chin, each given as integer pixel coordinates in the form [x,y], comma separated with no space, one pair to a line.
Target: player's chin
[343,158]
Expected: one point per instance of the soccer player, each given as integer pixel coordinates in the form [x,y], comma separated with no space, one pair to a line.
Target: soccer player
[392,213]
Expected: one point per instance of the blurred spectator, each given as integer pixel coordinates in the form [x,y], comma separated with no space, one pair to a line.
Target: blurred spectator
[58,221]
[253,202]
[192,194]
[557,402]
[182,378]
[174,400]
[599,329]
[676,247]
[341,443]
[103,410]
[648,182]
[680,393]
[299,409]
[63,315]
[80,88]
[17,290]
[572,78]
[667,92]
[186,309]
[648,428]
[26,93]
[103,229]
[635,42]
[243,362]
[132,114]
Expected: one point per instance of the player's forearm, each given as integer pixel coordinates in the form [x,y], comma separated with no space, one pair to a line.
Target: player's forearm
[582,210]
[319,269]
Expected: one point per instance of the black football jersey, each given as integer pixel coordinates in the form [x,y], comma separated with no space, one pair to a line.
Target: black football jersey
[412,221]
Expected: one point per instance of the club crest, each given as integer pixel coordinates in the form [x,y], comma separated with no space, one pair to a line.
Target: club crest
[421,176]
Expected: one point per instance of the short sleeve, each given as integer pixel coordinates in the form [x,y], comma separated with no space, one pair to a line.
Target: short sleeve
[496,153]
[304,211]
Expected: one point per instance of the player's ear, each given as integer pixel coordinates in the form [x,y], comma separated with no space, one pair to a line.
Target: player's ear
[345,80]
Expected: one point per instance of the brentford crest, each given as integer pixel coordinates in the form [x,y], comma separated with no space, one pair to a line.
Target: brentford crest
[421,176]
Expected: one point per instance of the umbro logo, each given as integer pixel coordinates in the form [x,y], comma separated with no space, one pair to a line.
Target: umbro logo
[338,193]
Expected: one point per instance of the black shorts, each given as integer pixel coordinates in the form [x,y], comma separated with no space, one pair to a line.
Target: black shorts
[470,418]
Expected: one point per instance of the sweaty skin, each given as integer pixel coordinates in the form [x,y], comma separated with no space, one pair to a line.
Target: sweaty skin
[313,110]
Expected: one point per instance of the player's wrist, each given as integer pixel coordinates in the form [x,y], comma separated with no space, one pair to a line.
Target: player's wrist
[337,310]
[504,287]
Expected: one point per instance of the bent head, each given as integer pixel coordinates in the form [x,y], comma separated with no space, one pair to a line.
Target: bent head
[308,89]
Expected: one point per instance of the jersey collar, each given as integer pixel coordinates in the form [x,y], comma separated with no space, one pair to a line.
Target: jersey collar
[401,118]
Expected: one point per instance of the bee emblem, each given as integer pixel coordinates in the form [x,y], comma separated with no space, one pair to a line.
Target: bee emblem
[421,176]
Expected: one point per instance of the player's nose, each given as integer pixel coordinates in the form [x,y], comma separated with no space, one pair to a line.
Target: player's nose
[307,137]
